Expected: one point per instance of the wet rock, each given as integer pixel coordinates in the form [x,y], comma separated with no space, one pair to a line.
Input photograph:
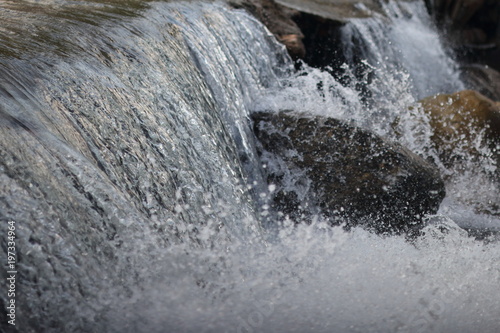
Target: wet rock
[473,26]
[484,79]
[317,21]
[463,122]
[464,13]
[335,10]
[461,11]
[474,36]
[294,45]
[353,175]
[320,22]
[278,19]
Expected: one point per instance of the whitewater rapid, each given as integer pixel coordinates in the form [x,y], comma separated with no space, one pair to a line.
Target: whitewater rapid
[129,166]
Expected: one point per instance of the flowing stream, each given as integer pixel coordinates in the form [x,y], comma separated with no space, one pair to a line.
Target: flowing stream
[129,167]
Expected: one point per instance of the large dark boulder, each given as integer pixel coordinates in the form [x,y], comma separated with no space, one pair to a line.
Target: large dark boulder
[352,175]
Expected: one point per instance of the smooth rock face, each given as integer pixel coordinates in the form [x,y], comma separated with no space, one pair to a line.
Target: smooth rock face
[349,173]
[457,121]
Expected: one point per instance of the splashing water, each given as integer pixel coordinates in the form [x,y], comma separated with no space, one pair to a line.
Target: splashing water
[129,166]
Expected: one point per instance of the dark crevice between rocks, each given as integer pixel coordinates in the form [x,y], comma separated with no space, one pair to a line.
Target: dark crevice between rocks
[322,40]
[472,27]
[325,50]
[313,39]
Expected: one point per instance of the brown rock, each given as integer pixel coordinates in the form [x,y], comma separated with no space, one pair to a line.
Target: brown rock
[350,173]
[294,45]
[278,19]
[457,121]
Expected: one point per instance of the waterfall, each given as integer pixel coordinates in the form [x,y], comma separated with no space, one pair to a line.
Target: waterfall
[129,168]
[125,136]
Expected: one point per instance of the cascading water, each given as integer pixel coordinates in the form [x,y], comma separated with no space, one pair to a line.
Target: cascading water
[397,58]
[129,168]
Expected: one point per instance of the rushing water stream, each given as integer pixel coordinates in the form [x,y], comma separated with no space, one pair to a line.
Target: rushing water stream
[129,167]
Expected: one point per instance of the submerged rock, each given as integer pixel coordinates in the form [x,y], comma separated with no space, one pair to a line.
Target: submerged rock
[465,122]
[350,173]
